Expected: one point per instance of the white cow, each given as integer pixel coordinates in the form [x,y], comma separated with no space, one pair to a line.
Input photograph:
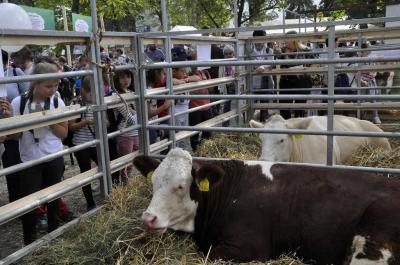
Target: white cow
[312,148]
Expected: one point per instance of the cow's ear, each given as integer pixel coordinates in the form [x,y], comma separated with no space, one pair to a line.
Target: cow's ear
[207,176]
[256,124]
[146,165]
[298,123]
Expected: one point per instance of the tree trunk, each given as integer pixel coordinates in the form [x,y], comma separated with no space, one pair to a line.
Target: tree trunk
[75,6]
[240,11]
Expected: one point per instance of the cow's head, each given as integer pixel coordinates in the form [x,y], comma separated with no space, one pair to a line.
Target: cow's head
[278,147]
[176,181]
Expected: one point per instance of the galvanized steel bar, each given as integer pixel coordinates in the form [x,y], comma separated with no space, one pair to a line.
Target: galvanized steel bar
[37,77]
[124,130]
[168,59]
[103,155]
[143,85]
[46,239]
[331,92]
[20,211]
[275,131]
[249,79]
[278,27]
[280,97]
[358,168]
[47,158]
[236,50]
[141,104]
[358,76]
[325,89]
[188,111]
[272,62]
[193,85]
[6,128]
[323,106]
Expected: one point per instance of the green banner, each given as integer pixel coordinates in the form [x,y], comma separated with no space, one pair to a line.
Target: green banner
[81,23]
[42,19]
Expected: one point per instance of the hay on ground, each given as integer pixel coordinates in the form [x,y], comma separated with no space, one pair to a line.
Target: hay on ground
[368,156]
[242,146]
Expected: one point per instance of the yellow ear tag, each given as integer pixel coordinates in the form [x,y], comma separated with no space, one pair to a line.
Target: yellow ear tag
[298,136]
[204,185]
[150,177]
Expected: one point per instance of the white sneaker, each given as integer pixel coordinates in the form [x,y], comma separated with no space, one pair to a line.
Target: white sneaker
[376,120]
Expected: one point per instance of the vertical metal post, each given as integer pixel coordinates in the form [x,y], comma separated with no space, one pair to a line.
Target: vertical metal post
[331,92]
[67,47]
[249,79]
[283,19]
[299,24]
[237,86]
[141,103]
[103,155]
[358,79]
[141,84]
[168,59]
[305,24]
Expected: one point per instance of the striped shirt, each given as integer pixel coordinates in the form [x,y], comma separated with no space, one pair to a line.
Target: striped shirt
[86,133]
[130,117]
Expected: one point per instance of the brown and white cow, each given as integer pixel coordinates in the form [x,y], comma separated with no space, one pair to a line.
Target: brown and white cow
[257,210]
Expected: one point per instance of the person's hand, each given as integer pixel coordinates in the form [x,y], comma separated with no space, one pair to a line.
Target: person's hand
[179,82]
[260,69]
[2,139]
[6,107]
[89,122]
[169,102]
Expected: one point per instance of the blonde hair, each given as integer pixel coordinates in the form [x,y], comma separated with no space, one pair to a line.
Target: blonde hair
[42,66]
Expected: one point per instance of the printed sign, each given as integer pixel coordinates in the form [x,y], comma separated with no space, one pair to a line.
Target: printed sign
[81,23]
[42,19]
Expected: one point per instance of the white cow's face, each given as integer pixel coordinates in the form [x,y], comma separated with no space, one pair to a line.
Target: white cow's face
[274,147]
[171,205]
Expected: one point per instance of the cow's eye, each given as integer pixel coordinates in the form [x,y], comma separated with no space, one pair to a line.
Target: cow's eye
[281,140]
[180,187]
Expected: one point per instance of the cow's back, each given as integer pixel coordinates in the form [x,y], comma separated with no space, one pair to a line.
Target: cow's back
[320,209]
[345,146]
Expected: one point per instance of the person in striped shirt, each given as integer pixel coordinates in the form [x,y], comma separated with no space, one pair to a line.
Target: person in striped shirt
[83,132]
[127,142]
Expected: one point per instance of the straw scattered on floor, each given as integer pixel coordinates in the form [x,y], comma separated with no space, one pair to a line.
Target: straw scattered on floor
[240,146]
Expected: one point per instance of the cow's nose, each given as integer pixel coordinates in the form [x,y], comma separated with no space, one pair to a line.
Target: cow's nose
[149,219]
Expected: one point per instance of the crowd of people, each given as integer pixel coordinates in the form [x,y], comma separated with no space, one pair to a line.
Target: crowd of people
[29,97]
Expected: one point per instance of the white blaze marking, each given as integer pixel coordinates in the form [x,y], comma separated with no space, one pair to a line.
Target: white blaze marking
[265,167]
[358,246]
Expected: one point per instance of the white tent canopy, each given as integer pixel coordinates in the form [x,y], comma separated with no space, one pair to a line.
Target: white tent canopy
[184,28]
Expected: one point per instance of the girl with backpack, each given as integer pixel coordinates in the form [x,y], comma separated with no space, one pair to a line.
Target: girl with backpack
[127,142]
[37,143]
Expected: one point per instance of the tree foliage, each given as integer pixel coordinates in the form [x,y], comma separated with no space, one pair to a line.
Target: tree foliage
[300,7]
[356,8]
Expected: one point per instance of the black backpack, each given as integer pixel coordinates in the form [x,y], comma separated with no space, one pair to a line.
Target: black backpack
[24,100]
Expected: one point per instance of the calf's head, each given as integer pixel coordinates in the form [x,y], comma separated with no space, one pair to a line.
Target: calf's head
[278,147]
[177,182]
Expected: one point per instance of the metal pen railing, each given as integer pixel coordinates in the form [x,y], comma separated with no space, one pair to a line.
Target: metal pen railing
[142,95]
